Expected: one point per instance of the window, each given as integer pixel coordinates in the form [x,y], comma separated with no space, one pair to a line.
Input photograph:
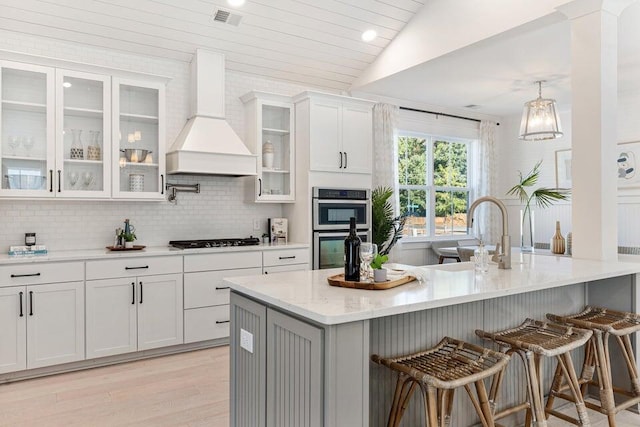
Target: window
[433,184]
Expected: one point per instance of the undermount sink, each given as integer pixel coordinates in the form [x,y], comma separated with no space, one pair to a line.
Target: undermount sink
[454,266]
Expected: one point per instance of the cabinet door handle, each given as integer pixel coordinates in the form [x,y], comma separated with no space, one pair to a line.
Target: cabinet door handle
[162,184]
[220,288]
[140,292]
[259,187]
[30,303]
[21,314]
[340,159]
[133,293]
[222,321]
[50,180]
[59,181]
[287,257]
[25,275]
[346,159]
[136,268]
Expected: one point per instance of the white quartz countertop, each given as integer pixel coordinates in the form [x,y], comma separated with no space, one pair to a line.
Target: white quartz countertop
[307,293]
[93,254]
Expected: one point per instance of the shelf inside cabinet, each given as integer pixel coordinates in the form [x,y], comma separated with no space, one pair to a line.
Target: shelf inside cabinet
[138,118]
[29,107]
[283,171]
[83,112]
[31,159]
[85,162]
[133,164]
[270,131]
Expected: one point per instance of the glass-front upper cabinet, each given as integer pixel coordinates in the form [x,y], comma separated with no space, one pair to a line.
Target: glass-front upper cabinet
[270,135]
[26,137]
[139,140]
[83,133]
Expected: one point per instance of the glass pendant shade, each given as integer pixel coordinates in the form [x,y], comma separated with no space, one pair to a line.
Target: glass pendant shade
[540,119]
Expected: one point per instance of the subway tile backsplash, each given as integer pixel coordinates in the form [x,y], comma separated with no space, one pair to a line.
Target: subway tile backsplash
[220,210]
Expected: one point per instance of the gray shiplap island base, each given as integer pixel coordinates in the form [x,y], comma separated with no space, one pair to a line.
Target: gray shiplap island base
[311,342]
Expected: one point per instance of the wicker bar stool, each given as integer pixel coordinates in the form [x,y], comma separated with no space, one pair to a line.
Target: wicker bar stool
[531,341]
[438,372]
[604,323]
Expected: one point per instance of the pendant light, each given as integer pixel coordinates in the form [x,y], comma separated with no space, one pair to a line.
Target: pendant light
[540,119]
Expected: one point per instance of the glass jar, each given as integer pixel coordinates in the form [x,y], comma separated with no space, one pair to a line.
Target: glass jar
[481,257]
[77,149]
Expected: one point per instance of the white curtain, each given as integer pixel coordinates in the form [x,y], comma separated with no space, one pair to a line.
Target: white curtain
[385,123]
[487,217]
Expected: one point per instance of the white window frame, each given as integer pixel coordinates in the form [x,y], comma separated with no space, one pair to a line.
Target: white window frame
[430,188]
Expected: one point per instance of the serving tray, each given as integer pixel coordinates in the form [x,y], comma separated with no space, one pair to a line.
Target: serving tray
[338,280]
[134,248]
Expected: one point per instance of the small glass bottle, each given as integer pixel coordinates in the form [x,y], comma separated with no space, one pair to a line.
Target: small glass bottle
[481,256]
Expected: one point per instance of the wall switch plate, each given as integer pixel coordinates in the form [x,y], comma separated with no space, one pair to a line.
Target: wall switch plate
[246,340]
[256,224]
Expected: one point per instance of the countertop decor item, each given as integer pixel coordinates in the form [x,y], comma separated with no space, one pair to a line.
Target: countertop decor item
[387,228]
[120,248]
[543,198]
[128,234]
[557,241]
[569,243]
[338,280]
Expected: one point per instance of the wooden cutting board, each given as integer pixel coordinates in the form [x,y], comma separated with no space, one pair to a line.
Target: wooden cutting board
[338,280]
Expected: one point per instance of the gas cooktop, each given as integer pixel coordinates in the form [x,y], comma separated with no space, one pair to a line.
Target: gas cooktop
[214,243]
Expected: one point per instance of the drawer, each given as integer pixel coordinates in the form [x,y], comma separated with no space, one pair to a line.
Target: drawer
[200,323]
[106,269]
[36,272]
[225,261]
[281,268]
[200,289]
[285,257]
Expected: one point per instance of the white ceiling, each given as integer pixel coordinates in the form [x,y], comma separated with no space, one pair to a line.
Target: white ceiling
[498,74]
[317,43]
[305,41]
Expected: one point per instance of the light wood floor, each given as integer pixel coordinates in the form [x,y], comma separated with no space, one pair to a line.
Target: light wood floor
[189,389]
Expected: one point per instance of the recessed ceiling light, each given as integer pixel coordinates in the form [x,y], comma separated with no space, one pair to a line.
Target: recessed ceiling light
[235,3]
[66,84]
[369,35]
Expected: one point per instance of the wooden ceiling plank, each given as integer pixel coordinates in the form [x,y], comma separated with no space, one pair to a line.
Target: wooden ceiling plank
[388,10]
[200,24]
[171,36]
[409,5]
[357,12]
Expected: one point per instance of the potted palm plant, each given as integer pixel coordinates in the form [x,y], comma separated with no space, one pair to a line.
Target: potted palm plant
[386,228]
[542,197]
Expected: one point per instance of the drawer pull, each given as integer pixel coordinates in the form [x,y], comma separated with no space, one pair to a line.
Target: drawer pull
[136,268]
[220,288]
[222,321]
[30,303]
[140,292]
[21,314]
[133,293]
[25,275]
[287,257]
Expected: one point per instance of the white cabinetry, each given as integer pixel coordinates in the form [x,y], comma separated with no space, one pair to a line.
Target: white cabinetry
[206,298]
[133,304]
[138,124]
[276,261]
[42,315]
[270,135]
[64,133]
[338,131]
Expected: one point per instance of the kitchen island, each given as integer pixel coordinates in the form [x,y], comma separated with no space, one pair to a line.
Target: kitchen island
[300,348]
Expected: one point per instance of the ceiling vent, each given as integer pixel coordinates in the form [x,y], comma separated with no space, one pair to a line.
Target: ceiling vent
[226,17]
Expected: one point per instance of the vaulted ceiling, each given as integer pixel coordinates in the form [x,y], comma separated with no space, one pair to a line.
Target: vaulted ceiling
[312,42]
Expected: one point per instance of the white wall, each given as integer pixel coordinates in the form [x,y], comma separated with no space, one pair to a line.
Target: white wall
[220,210]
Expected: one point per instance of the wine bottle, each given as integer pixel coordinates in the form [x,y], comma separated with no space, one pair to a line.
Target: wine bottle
[352,254]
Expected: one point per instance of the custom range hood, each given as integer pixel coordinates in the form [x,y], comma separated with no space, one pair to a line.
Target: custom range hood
[207,145]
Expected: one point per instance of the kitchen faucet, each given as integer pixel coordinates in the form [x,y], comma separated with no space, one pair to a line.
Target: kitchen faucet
[504,257]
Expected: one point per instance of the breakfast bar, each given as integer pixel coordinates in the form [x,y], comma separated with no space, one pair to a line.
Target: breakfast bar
[300,349]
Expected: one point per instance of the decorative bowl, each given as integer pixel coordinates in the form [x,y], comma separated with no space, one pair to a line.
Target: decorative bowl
[136,154]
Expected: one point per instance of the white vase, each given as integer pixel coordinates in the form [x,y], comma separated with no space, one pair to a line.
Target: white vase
[527,230]
[380,275]
[128,244]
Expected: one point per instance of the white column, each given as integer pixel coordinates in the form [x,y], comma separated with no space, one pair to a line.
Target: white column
[594,86]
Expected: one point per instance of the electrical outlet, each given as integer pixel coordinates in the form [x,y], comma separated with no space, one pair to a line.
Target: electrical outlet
[256,224]
[246,340]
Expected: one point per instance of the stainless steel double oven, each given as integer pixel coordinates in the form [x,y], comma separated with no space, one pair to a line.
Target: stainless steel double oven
[332,209]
